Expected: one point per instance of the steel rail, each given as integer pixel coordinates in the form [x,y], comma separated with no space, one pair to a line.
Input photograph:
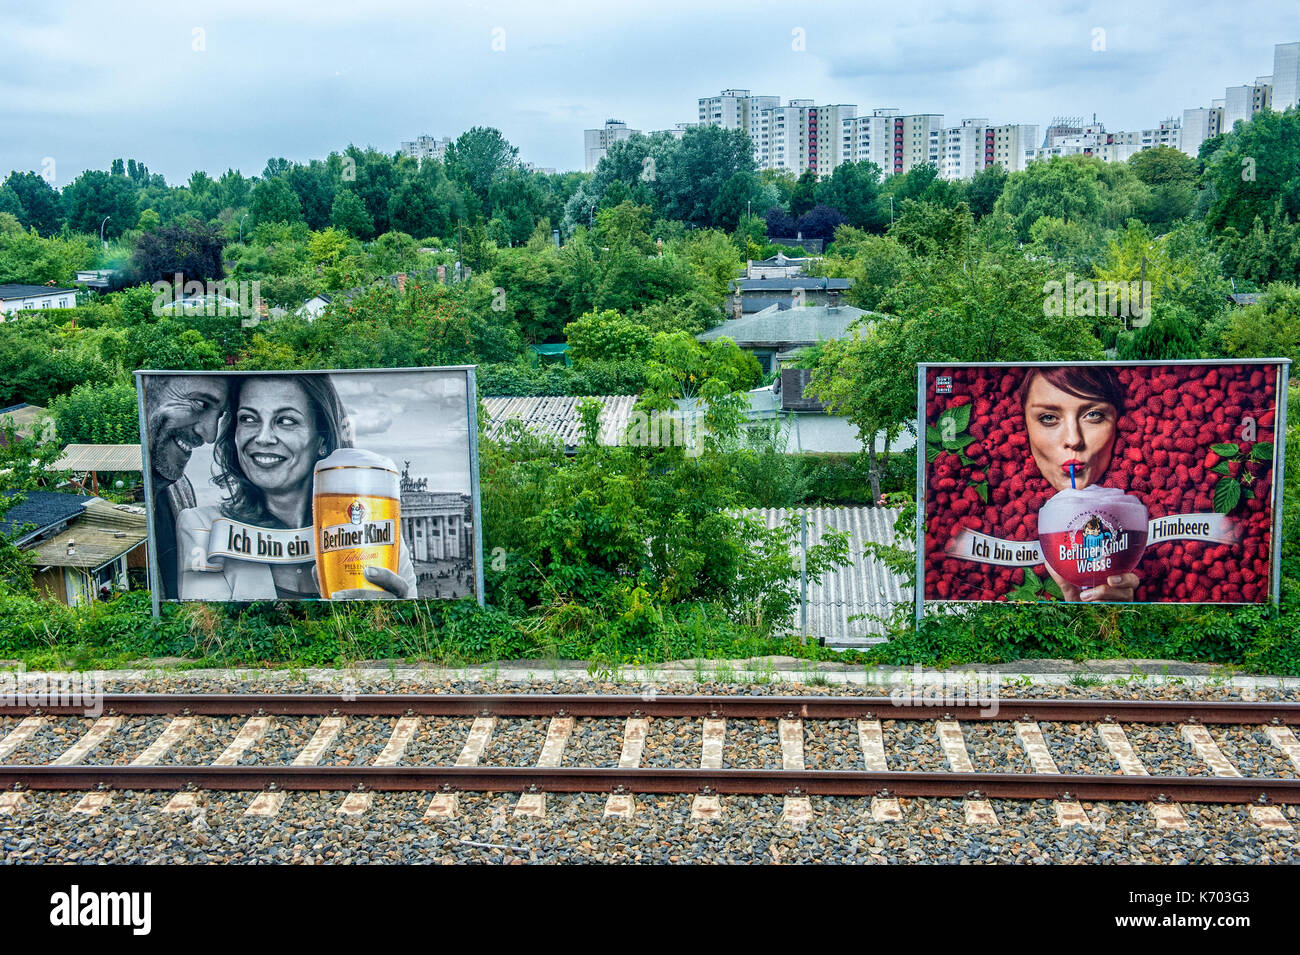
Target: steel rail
[1206,789]
[667,705]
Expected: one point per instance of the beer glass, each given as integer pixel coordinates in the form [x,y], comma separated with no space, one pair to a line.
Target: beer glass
[356,515]
[1089,534]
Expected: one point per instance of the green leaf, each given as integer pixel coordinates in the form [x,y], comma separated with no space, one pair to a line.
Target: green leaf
[1225,450]
[957,443]
[932,452]
[961,415]
[932,435]
[965,460]
[1053,588]
[982,489]
[1220,468]
[1250,494]
[1262,451]
[1227,494]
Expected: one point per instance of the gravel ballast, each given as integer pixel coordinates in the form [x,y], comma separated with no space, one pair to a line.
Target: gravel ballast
[309,830]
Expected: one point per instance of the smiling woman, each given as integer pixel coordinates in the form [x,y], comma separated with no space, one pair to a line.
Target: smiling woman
[277,429]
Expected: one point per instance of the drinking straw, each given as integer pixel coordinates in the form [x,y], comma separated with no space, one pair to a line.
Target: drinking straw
[1072,486]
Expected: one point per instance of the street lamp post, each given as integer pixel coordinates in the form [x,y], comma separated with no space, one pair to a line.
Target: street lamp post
[241,227]
[101,231]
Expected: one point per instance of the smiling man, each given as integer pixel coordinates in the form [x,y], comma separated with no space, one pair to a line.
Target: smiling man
[181,412]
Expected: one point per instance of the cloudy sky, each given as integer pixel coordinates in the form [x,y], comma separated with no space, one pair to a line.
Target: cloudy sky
[211,85]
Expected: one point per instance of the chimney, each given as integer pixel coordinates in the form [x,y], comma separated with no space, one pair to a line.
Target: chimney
[737,309]
[833,298]
[401,281]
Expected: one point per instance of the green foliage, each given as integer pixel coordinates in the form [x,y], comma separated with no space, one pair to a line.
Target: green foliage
[97,414]
[92,196]
[348,214]
[1062,187]
[1171,334]
[1270,329]
[1255,170]
[28,259]
[607,336]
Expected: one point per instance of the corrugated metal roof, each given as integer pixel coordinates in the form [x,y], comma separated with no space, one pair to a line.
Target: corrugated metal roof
[773,326]
[99,457]
[862,586]
[557,416]
[103,532]
[23,418]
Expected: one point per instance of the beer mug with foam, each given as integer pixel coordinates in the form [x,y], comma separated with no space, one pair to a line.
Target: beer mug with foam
[356,514]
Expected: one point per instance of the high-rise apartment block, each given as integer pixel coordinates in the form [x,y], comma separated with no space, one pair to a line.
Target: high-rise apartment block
[975,145]
[597,141]
[1286,76]
[800,135]
[1280,91]
[426,147]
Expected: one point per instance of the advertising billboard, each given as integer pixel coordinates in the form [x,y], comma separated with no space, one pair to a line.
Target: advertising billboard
[308,485]
[1129,482]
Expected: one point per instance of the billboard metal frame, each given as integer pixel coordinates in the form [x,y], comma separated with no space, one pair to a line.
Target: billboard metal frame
[471,401]
[1279,456]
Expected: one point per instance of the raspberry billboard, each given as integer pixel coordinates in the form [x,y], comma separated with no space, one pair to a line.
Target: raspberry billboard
[1128,482]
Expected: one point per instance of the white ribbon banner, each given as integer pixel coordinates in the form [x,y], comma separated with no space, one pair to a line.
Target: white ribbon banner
[265,545]
[986,549]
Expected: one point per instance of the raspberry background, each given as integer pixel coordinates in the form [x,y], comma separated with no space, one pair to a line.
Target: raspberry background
[1162,455]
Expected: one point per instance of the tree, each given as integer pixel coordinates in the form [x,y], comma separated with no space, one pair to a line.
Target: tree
[1169,335]
[1163,164]
[924,228]
[984,189]
[779,224]
[314,185]
[427,203]
[349,214]
[854,189]
[1254,171]
[92,196]
[516,200]
[733,200]
[1270,329]
[273,200]
[97,414]
[27,259]
[478,158]
[804,195]
[10,204]
[715,374]
[607,336]
[276,167]
[41,206]
[1063,187]
[626,223]
[820,222]
[192,249]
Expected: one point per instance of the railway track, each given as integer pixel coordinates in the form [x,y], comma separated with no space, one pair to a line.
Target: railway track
[1217,779]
